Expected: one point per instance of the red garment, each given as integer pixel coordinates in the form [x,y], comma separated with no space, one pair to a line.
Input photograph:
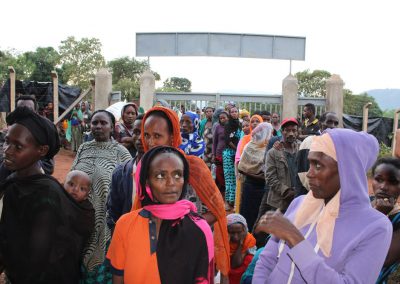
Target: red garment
[236,274]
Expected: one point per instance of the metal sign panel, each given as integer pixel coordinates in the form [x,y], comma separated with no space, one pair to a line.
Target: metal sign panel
[221,44]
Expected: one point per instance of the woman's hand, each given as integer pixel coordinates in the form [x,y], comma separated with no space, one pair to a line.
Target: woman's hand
[384,205]
[276,224]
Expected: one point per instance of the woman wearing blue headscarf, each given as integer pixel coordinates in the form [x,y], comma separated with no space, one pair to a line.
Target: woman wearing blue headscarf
[192,143]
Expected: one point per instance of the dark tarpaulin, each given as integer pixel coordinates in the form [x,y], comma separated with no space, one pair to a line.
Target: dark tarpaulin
[43,92]
[380,127]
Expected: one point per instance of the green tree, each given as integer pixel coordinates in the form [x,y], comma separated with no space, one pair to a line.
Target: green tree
[6,59]
[388,113]
[353,104]
[128,68]
[22,67]
[312,84]
[42,62]
[80,60]
[126,74]
[176,84]
[130,89]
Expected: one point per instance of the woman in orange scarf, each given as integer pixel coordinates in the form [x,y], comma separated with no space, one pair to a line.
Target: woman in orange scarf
[151,245]
[254,121]
[160,127]
[242,245]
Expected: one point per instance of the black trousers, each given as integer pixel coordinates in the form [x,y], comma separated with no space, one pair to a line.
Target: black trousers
[252,194]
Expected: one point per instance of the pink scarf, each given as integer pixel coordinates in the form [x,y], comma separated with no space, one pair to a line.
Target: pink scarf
[173,211]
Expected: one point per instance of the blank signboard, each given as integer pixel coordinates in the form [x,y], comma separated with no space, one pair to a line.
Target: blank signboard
[220,44]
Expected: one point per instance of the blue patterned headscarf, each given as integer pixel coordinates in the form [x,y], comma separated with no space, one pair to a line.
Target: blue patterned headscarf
[192,143]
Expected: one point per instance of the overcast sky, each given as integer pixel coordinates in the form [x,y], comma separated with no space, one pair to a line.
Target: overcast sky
[356,39]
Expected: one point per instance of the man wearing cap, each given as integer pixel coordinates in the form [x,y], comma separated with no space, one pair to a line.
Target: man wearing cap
[281,169]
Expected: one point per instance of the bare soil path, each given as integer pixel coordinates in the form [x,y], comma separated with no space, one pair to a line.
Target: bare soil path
[63,161]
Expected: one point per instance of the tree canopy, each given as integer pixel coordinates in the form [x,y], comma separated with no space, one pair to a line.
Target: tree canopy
[176,84]
[31,65]
[76,62]
[312,84]
[42,61]
[353,104]
[80,60]
[126,73]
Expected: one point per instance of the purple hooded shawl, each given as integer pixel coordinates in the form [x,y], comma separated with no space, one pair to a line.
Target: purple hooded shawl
[362,235]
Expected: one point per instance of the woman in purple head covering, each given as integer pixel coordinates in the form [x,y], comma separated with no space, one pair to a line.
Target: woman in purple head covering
[332,234]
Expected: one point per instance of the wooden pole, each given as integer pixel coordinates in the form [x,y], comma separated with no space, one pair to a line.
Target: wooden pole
[395,126]
[12,87]
[81,96]
[365,116]
[54,76]
[92,99]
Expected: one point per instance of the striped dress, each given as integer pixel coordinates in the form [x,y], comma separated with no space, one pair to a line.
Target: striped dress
[98,160]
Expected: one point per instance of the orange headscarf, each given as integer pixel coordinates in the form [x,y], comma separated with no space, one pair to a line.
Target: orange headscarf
[248,243]
[201,180]
[246,139]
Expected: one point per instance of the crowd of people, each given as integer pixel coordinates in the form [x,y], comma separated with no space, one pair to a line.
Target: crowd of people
[223,196]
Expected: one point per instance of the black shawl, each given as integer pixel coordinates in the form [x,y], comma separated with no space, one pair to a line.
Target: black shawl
[42,231]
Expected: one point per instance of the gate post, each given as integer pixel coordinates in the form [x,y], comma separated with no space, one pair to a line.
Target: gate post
[147,88]
[289,97]
[334,96]
[54,76]
[102,91]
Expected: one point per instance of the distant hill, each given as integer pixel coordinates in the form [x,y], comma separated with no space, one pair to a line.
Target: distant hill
[386,98]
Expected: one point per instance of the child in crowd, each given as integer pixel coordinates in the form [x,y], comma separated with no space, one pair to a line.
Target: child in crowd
[243,246]
[77,184]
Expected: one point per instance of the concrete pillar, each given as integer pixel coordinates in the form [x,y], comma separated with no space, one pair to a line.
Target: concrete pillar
[54,76]
[103,83]
[147,88]
[334,96]
[290,88]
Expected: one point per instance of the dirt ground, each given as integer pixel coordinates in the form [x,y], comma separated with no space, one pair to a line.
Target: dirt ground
[63,161]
